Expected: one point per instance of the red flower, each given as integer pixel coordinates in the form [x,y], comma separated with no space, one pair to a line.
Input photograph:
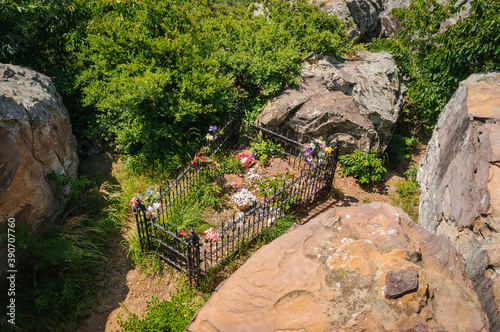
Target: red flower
[244,158]
[184,233]
[195,159]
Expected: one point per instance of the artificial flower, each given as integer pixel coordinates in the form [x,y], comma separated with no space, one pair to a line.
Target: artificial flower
[244,198]
[211,235]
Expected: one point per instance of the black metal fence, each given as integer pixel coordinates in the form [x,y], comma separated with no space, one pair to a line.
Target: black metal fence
[187,252]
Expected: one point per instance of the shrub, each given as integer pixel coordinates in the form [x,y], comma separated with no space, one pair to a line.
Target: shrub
[173,315]
[365,167]
[57,271]
[155,70]
[432,62]
[408,197]
[265,149]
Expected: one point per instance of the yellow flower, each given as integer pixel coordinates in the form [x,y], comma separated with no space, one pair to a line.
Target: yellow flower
[328,149]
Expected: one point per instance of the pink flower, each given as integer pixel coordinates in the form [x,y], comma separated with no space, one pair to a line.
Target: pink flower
[184,233]
[134,200]
[211,235]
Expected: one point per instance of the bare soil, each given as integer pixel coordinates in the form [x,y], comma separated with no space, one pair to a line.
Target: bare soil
[124,284]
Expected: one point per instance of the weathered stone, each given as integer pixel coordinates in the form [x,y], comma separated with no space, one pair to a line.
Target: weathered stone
[356,101]
[399,283]
[389,25]
[361,17]
[329,275]
[36,137]
[460,182]
[366,19]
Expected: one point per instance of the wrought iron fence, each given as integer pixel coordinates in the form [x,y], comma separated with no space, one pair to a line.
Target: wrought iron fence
[197,258]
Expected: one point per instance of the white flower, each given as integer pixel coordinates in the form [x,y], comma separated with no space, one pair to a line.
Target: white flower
[209,137]
[244,197]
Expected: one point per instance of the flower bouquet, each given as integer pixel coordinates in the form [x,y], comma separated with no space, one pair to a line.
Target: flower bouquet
[316,151]
[244,199]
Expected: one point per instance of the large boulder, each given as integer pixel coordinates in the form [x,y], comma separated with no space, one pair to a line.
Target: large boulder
[389,25]
[364,268]
[361,17]
[460,184]
[354,100]
[366,19]
[36,137]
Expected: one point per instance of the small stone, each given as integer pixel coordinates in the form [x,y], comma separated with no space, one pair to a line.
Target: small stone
[399,283]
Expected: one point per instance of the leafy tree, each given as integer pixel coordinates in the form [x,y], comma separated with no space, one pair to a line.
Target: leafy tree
[433,62]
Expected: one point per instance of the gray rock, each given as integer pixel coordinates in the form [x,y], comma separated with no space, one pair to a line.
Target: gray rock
[361,17]
[399,283]
[389,25]
[36,137]
[460,184]
[356,101]
[366,19]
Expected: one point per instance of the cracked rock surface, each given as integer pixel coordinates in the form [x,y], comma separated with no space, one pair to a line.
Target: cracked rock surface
[331,275]
[460,184]
[357,101]
[36,137]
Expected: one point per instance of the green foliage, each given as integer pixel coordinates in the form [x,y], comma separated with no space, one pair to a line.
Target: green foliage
[401,146]
[408,197]
[228,164]
[57,271]
[186,215]
[156,69]
[408,192]
[411,172]
[76,186]
[265,149]
[45,35]
[268,186]
[278,228]
[365,167]
[433,63]
[173,315]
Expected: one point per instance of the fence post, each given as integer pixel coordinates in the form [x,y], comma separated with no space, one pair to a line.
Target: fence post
[193,258]
[142,225]
[332,166]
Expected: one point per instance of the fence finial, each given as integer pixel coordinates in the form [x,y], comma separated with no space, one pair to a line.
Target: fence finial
[193,238]
[139,207]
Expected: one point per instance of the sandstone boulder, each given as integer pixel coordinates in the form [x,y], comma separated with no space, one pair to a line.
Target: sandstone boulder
[364,268]
[36,137]
[356,101]
[460,183]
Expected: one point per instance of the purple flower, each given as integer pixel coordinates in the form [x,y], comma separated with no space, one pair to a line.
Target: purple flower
[212,128]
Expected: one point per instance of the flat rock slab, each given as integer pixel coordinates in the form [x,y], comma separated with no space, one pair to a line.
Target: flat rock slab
[399,283]
[330,275]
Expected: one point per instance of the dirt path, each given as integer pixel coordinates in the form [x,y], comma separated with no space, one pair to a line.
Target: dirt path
[123,283]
